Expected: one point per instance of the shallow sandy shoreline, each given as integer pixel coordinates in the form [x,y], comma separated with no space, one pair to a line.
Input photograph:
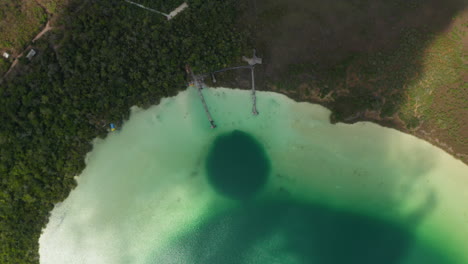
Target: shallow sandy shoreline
[153,170]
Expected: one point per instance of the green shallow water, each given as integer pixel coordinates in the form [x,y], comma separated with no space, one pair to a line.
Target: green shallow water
[282,187]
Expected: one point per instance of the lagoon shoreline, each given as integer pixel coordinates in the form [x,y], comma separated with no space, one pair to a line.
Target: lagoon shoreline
[153,168]
[393,122]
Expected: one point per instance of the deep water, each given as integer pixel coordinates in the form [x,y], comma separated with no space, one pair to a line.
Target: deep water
[237,165]
[283,187]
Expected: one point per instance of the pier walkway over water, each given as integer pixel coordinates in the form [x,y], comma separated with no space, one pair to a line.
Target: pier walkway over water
[254,96]
[251,67]
[252,62]
[197,81]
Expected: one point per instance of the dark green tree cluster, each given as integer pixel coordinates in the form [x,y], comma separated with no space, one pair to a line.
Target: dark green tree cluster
[111,56]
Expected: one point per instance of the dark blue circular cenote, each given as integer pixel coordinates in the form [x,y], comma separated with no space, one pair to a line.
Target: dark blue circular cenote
[237,165]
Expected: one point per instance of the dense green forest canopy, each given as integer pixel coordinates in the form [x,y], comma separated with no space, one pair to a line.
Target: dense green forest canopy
[109,56]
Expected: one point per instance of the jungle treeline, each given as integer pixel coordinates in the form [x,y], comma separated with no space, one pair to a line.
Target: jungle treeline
[107,56]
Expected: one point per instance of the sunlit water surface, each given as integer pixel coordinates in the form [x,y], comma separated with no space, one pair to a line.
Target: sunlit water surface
[283,187]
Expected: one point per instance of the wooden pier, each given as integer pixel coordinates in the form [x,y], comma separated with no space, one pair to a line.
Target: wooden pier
[252,62]
[197,80]
[254,97]
[251,66]
[199,85]
[205,106]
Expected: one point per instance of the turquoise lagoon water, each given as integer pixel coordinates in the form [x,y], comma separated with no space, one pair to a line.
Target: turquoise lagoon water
[283,187]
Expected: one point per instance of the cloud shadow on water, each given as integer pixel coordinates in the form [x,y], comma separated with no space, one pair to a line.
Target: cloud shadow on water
[295,232]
